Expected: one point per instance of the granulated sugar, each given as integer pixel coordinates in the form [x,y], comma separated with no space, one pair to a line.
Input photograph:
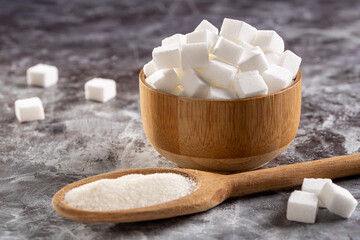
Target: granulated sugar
[130,191]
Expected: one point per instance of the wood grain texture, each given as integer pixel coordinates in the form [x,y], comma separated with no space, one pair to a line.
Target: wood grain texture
[212,188]
[203,134]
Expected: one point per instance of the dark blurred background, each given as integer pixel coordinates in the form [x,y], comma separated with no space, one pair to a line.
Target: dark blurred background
[114,39]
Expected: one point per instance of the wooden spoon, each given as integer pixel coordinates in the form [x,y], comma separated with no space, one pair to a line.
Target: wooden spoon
[212,188]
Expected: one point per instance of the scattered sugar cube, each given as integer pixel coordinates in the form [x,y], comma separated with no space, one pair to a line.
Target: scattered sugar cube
[277,78]
[228,51]
[177,91]
[302,207]
[194,86]
[100,89]
[167,56]
[206,25]
[269,41]
[253,59]
[219,93]
[291,62]
[176,39]
[42,75]
[250,84]
[29,109]
[236,30]
[219,73]
[273,58]
[338,200]
[194,55]
[150,68]
[314,185]
[202,36]
[164,80]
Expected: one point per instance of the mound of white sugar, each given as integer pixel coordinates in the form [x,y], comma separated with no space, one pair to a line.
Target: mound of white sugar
[130,191]
[207,63]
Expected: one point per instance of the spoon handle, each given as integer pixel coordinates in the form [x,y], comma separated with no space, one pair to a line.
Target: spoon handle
[293,174]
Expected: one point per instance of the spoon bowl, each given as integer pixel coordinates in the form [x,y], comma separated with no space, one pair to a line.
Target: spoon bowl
[212,188]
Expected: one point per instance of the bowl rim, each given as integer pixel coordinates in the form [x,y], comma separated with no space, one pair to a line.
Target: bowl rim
[297,81]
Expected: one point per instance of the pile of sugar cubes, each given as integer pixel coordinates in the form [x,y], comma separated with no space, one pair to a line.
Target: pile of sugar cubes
[43,75]
[240,62]
[319,192]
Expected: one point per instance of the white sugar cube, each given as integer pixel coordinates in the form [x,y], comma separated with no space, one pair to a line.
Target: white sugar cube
[42,75]
[302,207]
[277,78]
[314,185]
[250,84]
[246,46]
[194,55]
[269,41]
[338,200]
[194,86]
[228,51]
[29,109]
[177,91]
[273,58]
[202,36]
[100,89]
[206,25]
[219,93]
[219,73]
[291,62]
[167,56]
[164,80]
[179,71]
[150,68]
[236,30]
[176,39]
[253,59]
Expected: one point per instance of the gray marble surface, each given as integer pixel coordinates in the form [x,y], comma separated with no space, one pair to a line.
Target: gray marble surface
[113,39]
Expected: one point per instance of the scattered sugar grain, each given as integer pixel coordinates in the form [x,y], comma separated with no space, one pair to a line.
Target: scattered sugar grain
[130,191]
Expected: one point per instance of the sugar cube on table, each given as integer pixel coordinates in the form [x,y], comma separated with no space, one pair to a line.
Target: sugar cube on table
[219,73]
[202,36]
[176,39]
[150,68]
[194,55]
[167,56]
[338,200]
[194,86]
[29,109]
[165,80]
[273,58]
[100,89]
[314,185]
[236,30]
[219,93]
[250,84]
[269,41]
[42,75]
[291,62]
[302,207]
[277,78]
[206,25]
[228,51]
[253,59]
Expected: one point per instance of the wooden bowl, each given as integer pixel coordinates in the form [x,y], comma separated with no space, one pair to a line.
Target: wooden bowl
[220,135]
